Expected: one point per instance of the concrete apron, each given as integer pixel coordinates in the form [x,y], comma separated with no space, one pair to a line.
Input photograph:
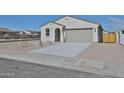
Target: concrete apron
[84,65]
[67,49]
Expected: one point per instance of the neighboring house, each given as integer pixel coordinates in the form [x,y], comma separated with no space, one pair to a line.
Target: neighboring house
[70,29]
[120,35]
[4,29]
[34,33]
[4,32]
[31,34]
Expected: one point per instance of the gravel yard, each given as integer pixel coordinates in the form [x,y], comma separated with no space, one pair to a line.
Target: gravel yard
[104,59]
[104,52]
[18,47]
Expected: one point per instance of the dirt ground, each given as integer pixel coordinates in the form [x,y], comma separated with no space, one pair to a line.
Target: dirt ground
[104,52]
[20,47]
[97,51]
[105,58]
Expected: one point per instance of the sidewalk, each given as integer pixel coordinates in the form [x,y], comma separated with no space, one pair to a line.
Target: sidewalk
[92,66]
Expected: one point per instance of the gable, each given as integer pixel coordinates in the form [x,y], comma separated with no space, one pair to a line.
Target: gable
[71,22]
[52,24]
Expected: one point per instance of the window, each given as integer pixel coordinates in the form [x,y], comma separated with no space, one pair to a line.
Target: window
[122,32]
[47,31]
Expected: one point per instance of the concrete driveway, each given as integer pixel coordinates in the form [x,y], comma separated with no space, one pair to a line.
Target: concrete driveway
[63,49]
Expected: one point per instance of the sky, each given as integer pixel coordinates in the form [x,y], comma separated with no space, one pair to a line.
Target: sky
[33,22]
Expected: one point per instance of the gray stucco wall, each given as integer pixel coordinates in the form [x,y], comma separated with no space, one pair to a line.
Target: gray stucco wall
[100,34]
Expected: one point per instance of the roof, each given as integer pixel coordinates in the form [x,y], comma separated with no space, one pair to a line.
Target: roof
[108,32]
[53,23]
[57,23]
[80,19]
[120,30]
[74,18]
[31,30]
[5,30]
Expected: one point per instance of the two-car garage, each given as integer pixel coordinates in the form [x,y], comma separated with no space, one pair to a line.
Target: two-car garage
[79,35]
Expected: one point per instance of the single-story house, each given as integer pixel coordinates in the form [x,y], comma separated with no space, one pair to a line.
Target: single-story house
[6,33]
[3,32]
[71,29]
[30,34]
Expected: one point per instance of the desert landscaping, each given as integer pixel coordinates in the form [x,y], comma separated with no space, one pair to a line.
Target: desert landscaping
[102,59]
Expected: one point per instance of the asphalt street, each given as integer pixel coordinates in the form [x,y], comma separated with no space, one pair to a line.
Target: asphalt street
[17,69]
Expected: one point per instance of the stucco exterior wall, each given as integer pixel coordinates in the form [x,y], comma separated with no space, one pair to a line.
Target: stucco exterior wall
[70,22]
[52,28]
[121,38]
[95,34]
[117,37]
[100,34]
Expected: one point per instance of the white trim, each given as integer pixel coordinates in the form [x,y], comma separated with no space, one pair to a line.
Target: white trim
[95,35]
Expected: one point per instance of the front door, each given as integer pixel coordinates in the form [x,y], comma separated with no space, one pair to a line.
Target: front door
[57,35]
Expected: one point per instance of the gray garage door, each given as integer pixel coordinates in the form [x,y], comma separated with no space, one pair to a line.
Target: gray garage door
[79,36]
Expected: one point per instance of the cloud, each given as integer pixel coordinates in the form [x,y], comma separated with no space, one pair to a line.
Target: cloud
[116,23]
[115,20]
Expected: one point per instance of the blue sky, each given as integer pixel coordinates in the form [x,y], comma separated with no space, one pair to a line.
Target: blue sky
[33,22]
